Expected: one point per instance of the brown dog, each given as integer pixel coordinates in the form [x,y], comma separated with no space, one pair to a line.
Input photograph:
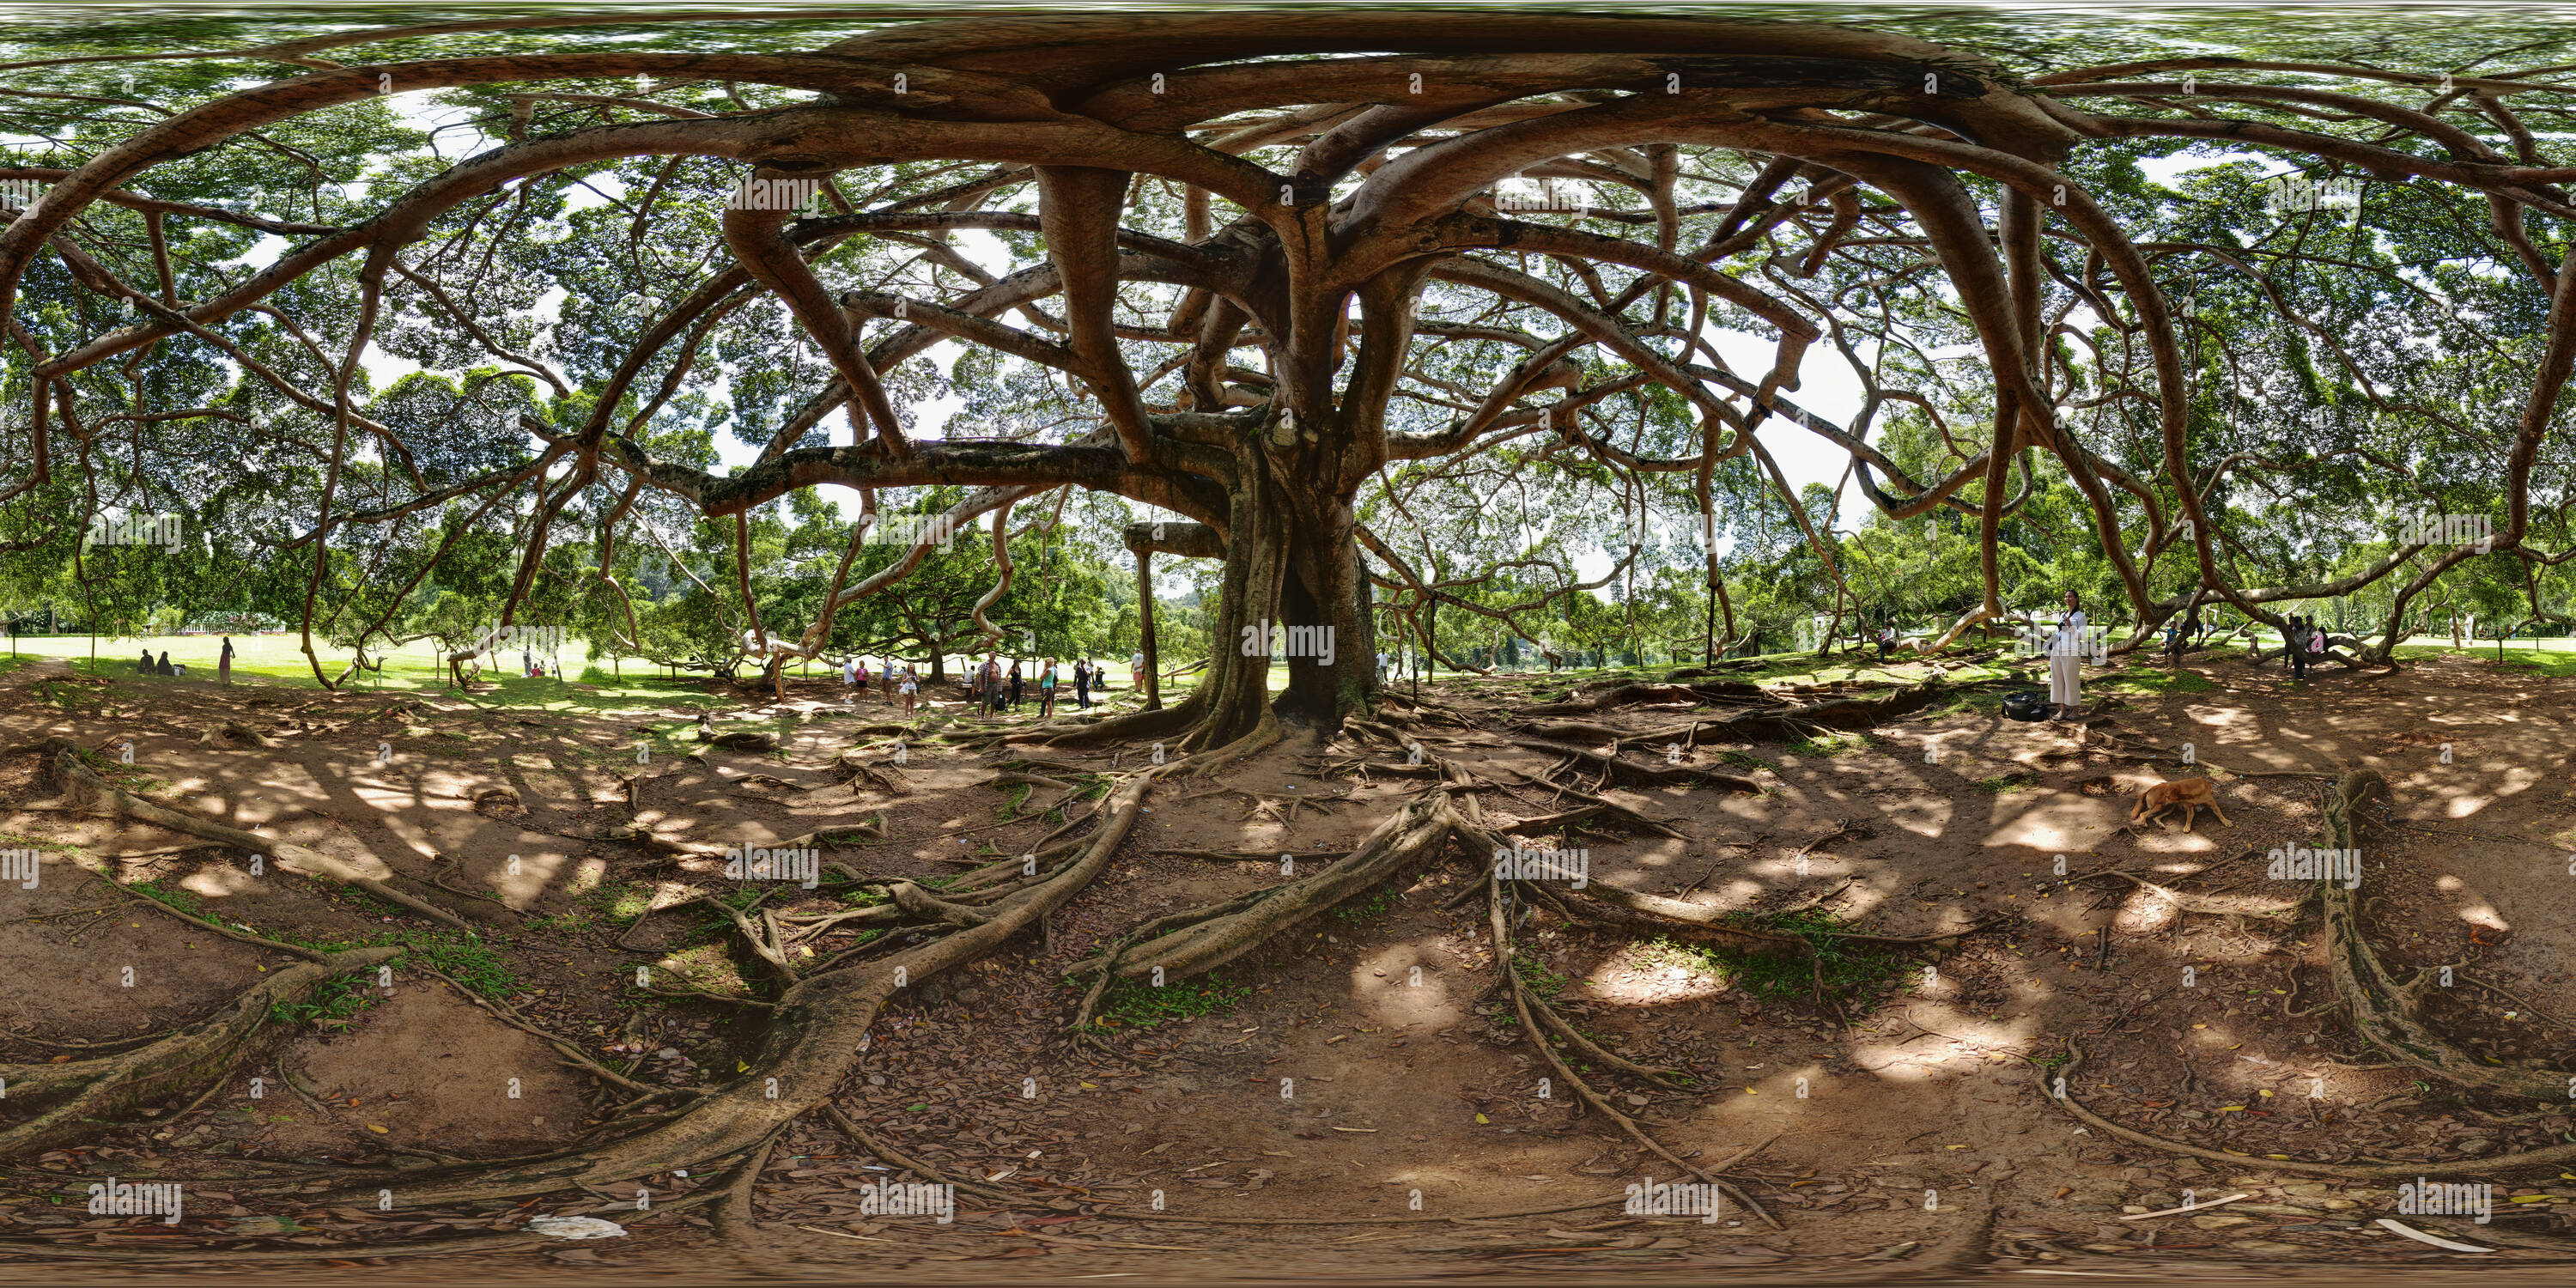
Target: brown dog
[2193,794]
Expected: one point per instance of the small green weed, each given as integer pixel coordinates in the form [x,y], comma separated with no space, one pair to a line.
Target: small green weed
[1378,904]
[338,998]
[1131,1004]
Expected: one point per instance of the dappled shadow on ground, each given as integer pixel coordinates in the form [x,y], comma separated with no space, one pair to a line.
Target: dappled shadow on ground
[1356,1065]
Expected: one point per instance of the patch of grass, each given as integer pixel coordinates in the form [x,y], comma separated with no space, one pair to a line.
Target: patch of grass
[1542,981]
[2155,679]
[179,899]
[625,901]
[851,835]
[1844,966]
[1378,904]
[460,956]
[338,998]
[120,774]
[1832,744]
[2005,784]
[1745,760]
[596,901]
[1131,1004]
[463,958]
[2557,662]
[570,921]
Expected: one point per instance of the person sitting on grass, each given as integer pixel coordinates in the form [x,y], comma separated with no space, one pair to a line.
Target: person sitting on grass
[146,667]
[165,667]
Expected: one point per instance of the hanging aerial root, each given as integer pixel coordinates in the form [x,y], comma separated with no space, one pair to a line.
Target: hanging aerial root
[60,769]
[72,1098]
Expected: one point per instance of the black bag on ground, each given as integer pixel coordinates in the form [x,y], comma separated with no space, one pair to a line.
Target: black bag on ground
[2026,704]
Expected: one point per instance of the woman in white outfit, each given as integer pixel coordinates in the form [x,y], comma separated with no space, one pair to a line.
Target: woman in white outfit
[2066,659]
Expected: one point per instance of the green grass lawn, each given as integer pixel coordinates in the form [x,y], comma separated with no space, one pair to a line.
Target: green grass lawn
[278,660]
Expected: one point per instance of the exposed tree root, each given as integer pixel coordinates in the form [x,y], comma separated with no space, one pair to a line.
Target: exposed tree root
[1967,1248]
[1521,999]
[860,1137]
[1636,771]
[1126,726]
[1845,715]
[60,769]
[1596,804]
[1562,729]
[2154,751]
[2217,904]
[209,924]
[1218,934]
[2387,1014]
[813,1039]
[2494,1164]
[735,739]
[236,730]
[69,1097]
[1628,695]
[1264,735]
[451,1247]
[572,1054]
[1699,916]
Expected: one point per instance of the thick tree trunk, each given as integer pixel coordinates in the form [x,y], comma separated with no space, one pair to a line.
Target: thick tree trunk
[1145,630]
[1294,594]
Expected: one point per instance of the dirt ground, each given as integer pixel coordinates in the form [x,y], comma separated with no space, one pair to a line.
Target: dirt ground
[1355,1100]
